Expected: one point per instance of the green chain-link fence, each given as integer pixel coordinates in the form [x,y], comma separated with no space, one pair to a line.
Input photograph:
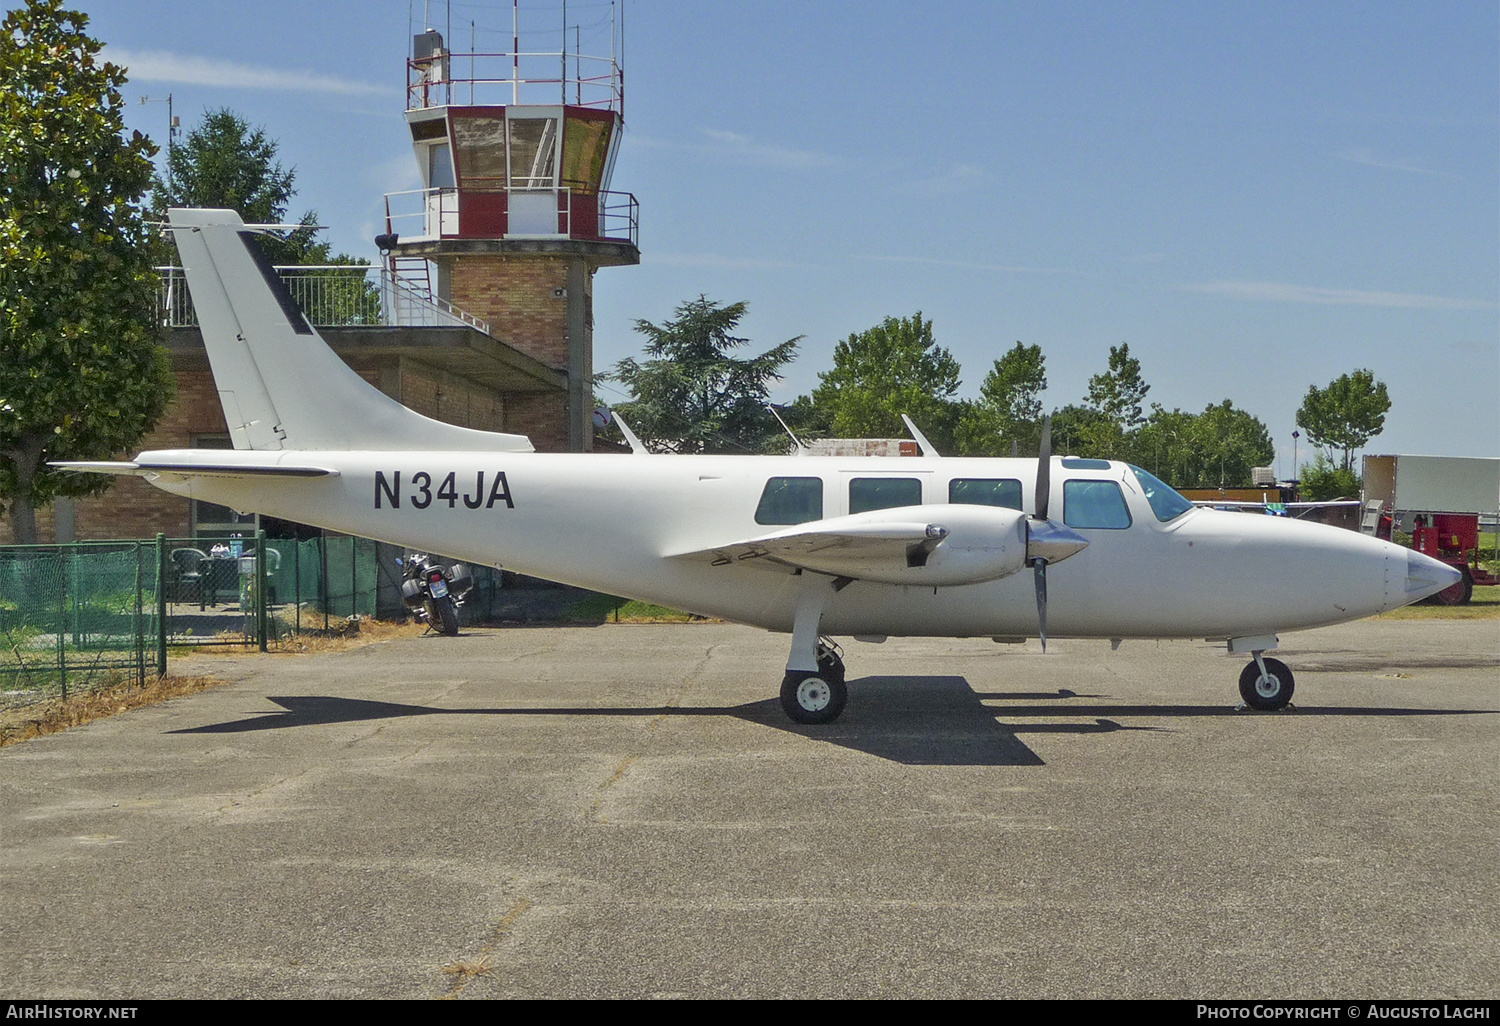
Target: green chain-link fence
[77,616]
[86,614]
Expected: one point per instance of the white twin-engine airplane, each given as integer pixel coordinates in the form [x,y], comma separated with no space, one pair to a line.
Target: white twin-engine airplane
[818,547]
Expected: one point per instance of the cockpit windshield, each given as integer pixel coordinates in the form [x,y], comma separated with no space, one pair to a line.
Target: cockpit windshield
[1164,500]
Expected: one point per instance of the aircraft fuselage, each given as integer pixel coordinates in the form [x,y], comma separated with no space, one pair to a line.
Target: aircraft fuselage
[615,523]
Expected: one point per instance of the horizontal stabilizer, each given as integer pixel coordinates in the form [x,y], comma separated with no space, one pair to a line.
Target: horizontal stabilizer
[187,470]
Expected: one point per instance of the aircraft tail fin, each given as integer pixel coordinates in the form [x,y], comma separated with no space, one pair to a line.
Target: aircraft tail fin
[282,387]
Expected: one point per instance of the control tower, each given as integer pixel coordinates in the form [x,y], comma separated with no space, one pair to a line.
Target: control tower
[515,213]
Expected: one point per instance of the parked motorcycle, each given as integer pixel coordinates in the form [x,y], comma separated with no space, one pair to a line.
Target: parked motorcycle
[434,594]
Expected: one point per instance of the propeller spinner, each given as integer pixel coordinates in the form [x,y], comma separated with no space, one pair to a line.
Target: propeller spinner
[1047,541]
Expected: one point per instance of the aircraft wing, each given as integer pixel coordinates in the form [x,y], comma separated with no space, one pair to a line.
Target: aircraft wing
[1275,509]
[183,471]
[891,546]
[818,546]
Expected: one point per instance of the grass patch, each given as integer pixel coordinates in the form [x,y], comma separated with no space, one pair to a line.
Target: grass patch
[611,609]
[57,715]
[1485,605]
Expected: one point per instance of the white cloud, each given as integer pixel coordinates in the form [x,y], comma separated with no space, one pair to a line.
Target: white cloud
[960,178]
[1368,157]
[715,260]
[969,265]
[743,147]
[1279,292]
[163,66]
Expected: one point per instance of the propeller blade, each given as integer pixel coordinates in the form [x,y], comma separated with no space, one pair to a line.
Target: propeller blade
[1044,470]
[1040,570]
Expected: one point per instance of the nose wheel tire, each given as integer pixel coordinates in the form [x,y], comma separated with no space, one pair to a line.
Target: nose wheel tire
[813,697]
[1269,691]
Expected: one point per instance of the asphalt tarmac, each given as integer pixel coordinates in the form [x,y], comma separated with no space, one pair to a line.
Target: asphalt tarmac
[624,811]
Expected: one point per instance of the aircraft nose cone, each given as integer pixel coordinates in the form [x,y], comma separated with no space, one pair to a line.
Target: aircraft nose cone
[1427,576]
[1053,542]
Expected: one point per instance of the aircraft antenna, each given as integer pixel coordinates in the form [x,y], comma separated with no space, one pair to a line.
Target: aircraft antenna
[801,449]
[928,449]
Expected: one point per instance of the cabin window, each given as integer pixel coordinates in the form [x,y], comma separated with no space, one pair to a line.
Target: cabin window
[976,491]
[867,493]
[1164,500]
[1095,504]
[790,500]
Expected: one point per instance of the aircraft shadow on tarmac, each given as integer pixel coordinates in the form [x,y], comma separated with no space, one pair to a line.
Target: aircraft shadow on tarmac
[918,721]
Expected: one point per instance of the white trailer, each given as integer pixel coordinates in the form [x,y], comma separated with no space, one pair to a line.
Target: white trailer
[1433,484]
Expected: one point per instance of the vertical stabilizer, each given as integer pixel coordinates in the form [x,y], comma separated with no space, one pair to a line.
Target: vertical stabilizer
[281,386]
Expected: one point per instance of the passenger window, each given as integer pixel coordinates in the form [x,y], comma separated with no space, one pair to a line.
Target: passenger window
[973,491]
[1096,504]
[790,500]
[867,493]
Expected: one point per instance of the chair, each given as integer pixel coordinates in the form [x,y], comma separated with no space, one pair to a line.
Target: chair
[188,565]
[273,564]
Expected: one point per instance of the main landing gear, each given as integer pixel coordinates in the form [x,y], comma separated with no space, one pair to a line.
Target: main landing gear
[1266,684]
[816,696]
[813,689]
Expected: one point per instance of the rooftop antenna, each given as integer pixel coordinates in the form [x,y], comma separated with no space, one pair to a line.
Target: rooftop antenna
[172,123]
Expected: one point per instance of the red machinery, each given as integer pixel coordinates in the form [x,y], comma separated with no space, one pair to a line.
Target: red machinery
[1450,537]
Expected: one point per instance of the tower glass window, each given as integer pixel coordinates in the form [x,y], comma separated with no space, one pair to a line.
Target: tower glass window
[533,153]
[585,149]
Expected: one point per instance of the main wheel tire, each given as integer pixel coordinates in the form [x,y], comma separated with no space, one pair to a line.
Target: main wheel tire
[447,617]
[1456,594]
[1271,691]
[812,698]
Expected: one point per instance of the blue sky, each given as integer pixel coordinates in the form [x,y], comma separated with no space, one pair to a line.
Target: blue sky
[1256,197]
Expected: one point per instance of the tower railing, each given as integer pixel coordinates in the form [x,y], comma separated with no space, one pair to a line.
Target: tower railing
[507,79]
[334,296]
[449,213]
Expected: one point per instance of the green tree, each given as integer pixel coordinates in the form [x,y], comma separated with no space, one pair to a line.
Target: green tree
[1009,410]
[1213,449]
[1076,431]
[1167,445]
[1322,481]
[893,368]
[1346,414]
[83,375]
[224,163]
[1120,392]
[693,396]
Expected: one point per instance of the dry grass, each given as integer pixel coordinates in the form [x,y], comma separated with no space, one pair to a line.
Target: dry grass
[469,967]
[58,714]
[342,636]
